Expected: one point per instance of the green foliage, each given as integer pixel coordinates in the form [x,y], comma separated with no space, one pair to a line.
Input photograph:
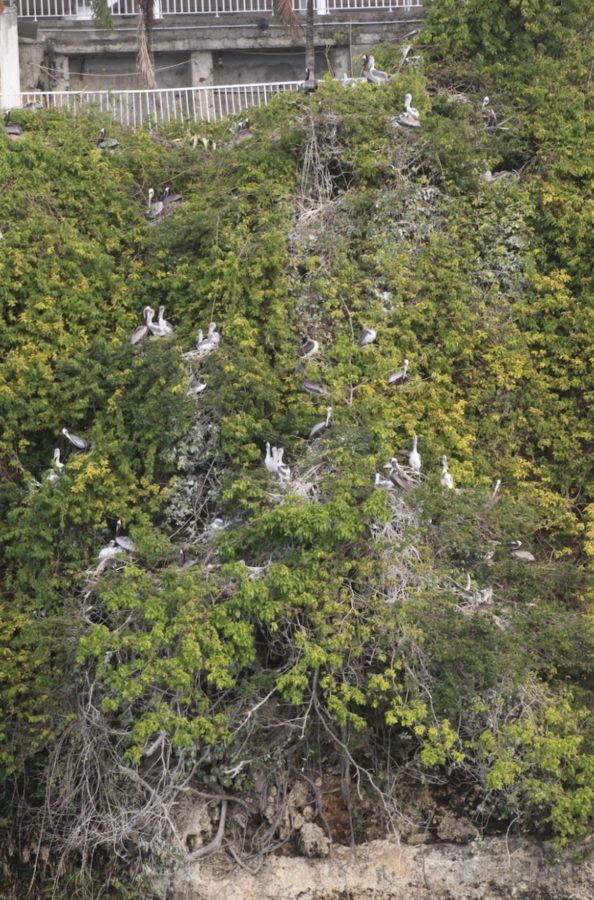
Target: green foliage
[338,618]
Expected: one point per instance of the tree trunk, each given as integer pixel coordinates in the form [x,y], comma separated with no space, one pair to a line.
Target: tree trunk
[310,52]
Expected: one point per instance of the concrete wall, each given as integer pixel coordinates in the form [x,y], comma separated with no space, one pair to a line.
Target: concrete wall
[190,52]
[10,85]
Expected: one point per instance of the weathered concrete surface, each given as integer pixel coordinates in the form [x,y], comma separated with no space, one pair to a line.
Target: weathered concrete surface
[488,869]
[189,51]
[9,59]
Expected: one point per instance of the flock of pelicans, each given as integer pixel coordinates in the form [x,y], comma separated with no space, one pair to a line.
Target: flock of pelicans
[399,477]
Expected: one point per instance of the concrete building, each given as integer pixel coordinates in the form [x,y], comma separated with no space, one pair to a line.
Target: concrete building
[195,43]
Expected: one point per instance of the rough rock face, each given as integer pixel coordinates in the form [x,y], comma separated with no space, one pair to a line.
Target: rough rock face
[386,870]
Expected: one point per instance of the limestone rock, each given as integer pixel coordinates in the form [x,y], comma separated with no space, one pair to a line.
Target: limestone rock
[313,842]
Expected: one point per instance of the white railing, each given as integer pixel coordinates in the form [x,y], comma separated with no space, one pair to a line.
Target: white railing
[81,9]
[134,108]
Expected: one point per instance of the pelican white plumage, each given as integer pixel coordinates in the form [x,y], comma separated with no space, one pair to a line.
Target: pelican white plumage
[57,461]
[154,208]
[309,84]
[400,376]
[141,332]
[496,491]
[414,457]
[368,335]
[122,540]
[385,483]
[12,130]
[446,479]
[270,460]
[397,476]
[185,561]
[110,551]
[516,552]
[319,429]
[373,75]
[168,197]
[55,473]
[309,348]
[162,327]
[408,108]
[410,117]
[76,441]
[489,114]
[195,386]
[104,144]
[282,469]
[206,345]
[315,388]
[521,555]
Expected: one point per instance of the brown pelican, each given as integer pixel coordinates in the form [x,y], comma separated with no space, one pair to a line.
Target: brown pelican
[385,483]
[496,491]
[242,133]
[308,349]
[154,208]
[414,457]
[53,476]
[110,551]
[57,462]
[368,335]
[168,197]
[195,386]
[516,553]
[122,540]
[162,327]
[446,479]
[104,144]
[309,84]
[270,461]
[186,562]
[319,429]
[315,387]
[12,130]
[397,476]
[282,469]
[521,555]
[410,116]
[489,114]
[400,376]
[77,442]
[206,345]
[141,332]
[408,109]
[373,75]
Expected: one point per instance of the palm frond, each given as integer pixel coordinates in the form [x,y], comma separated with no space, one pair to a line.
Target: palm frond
[144,62]
[283,10]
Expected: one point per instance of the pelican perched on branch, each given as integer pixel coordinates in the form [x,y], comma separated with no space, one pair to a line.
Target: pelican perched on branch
[446,479]
[410,117]
[414,457]
[162,327]
[319,429]
[77,442]
[206,345]
[489,114]
[400,376]
[154,208]
[373,75]
[141,332]
[308,349]
[368,335]
[104,144]
[122,540]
